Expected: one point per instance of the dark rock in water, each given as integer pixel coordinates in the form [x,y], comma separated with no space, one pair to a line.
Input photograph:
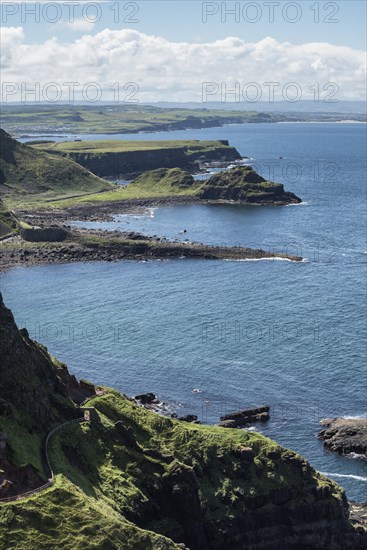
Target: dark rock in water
[189,418]
[345,435]
[243,417]
[146,398]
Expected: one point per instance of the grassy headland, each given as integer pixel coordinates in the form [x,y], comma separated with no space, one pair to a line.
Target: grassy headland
[121,158]
[132,479]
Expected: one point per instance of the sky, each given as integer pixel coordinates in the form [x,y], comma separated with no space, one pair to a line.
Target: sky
[183,50]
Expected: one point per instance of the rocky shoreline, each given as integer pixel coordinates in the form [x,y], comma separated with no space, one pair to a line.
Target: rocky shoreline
[92,245]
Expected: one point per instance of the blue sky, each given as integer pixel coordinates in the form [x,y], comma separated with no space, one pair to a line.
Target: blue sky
[183,21]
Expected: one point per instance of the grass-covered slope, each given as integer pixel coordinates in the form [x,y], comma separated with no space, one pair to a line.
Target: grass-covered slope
[136,480]
[242,184]
[28,174]
[163,182]
[153,184]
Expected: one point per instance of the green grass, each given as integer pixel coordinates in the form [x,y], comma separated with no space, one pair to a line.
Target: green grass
[64,517]
[174,182]
[33,175]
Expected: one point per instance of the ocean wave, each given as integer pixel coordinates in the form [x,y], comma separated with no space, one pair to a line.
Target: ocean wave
[278,258]
[356,455]
[348,476]
[356,417]
[303,203]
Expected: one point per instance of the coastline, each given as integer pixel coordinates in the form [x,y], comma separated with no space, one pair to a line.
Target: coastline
[94,245]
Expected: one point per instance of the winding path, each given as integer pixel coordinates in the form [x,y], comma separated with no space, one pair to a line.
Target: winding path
[51,479]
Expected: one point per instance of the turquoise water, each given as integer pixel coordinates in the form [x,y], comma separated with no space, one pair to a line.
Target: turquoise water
[243,333]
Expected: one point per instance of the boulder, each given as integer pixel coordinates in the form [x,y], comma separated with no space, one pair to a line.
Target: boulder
[246,416]
[146,398]
[345,435]
[189,418]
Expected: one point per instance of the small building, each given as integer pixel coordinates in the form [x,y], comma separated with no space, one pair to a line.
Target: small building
[90,414]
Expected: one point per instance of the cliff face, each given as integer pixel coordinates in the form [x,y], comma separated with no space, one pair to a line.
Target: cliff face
[30,379]
[133,479]
[243,185]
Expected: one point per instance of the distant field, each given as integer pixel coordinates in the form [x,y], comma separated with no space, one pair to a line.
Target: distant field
[130,119]
[113,119]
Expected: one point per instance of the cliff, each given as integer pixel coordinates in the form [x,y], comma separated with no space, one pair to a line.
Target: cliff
[35,174]
[131,479]
[118,158]
[243,185]
[9,223]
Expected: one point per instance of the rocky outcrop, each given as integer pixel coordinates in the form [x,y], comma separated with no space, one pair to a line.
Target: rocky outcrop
[247,416]
[147,398]
[243,185]
[345,435]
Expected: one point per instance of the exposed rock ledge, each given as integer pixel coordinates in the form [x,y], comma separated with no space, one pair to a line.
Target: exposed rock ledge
[345,435]
[241,418]
[93,245]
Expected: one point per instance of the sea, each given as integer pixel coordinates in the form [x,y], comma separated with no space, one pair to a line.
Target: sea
[210,337]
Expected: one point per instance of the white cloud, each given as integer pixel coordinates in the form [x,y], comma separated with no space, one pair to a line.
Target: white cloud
[78,25]
[167,70]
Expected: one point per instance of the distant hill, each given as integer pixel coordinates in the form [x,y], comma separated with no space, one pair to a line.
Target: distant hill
[25,170]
